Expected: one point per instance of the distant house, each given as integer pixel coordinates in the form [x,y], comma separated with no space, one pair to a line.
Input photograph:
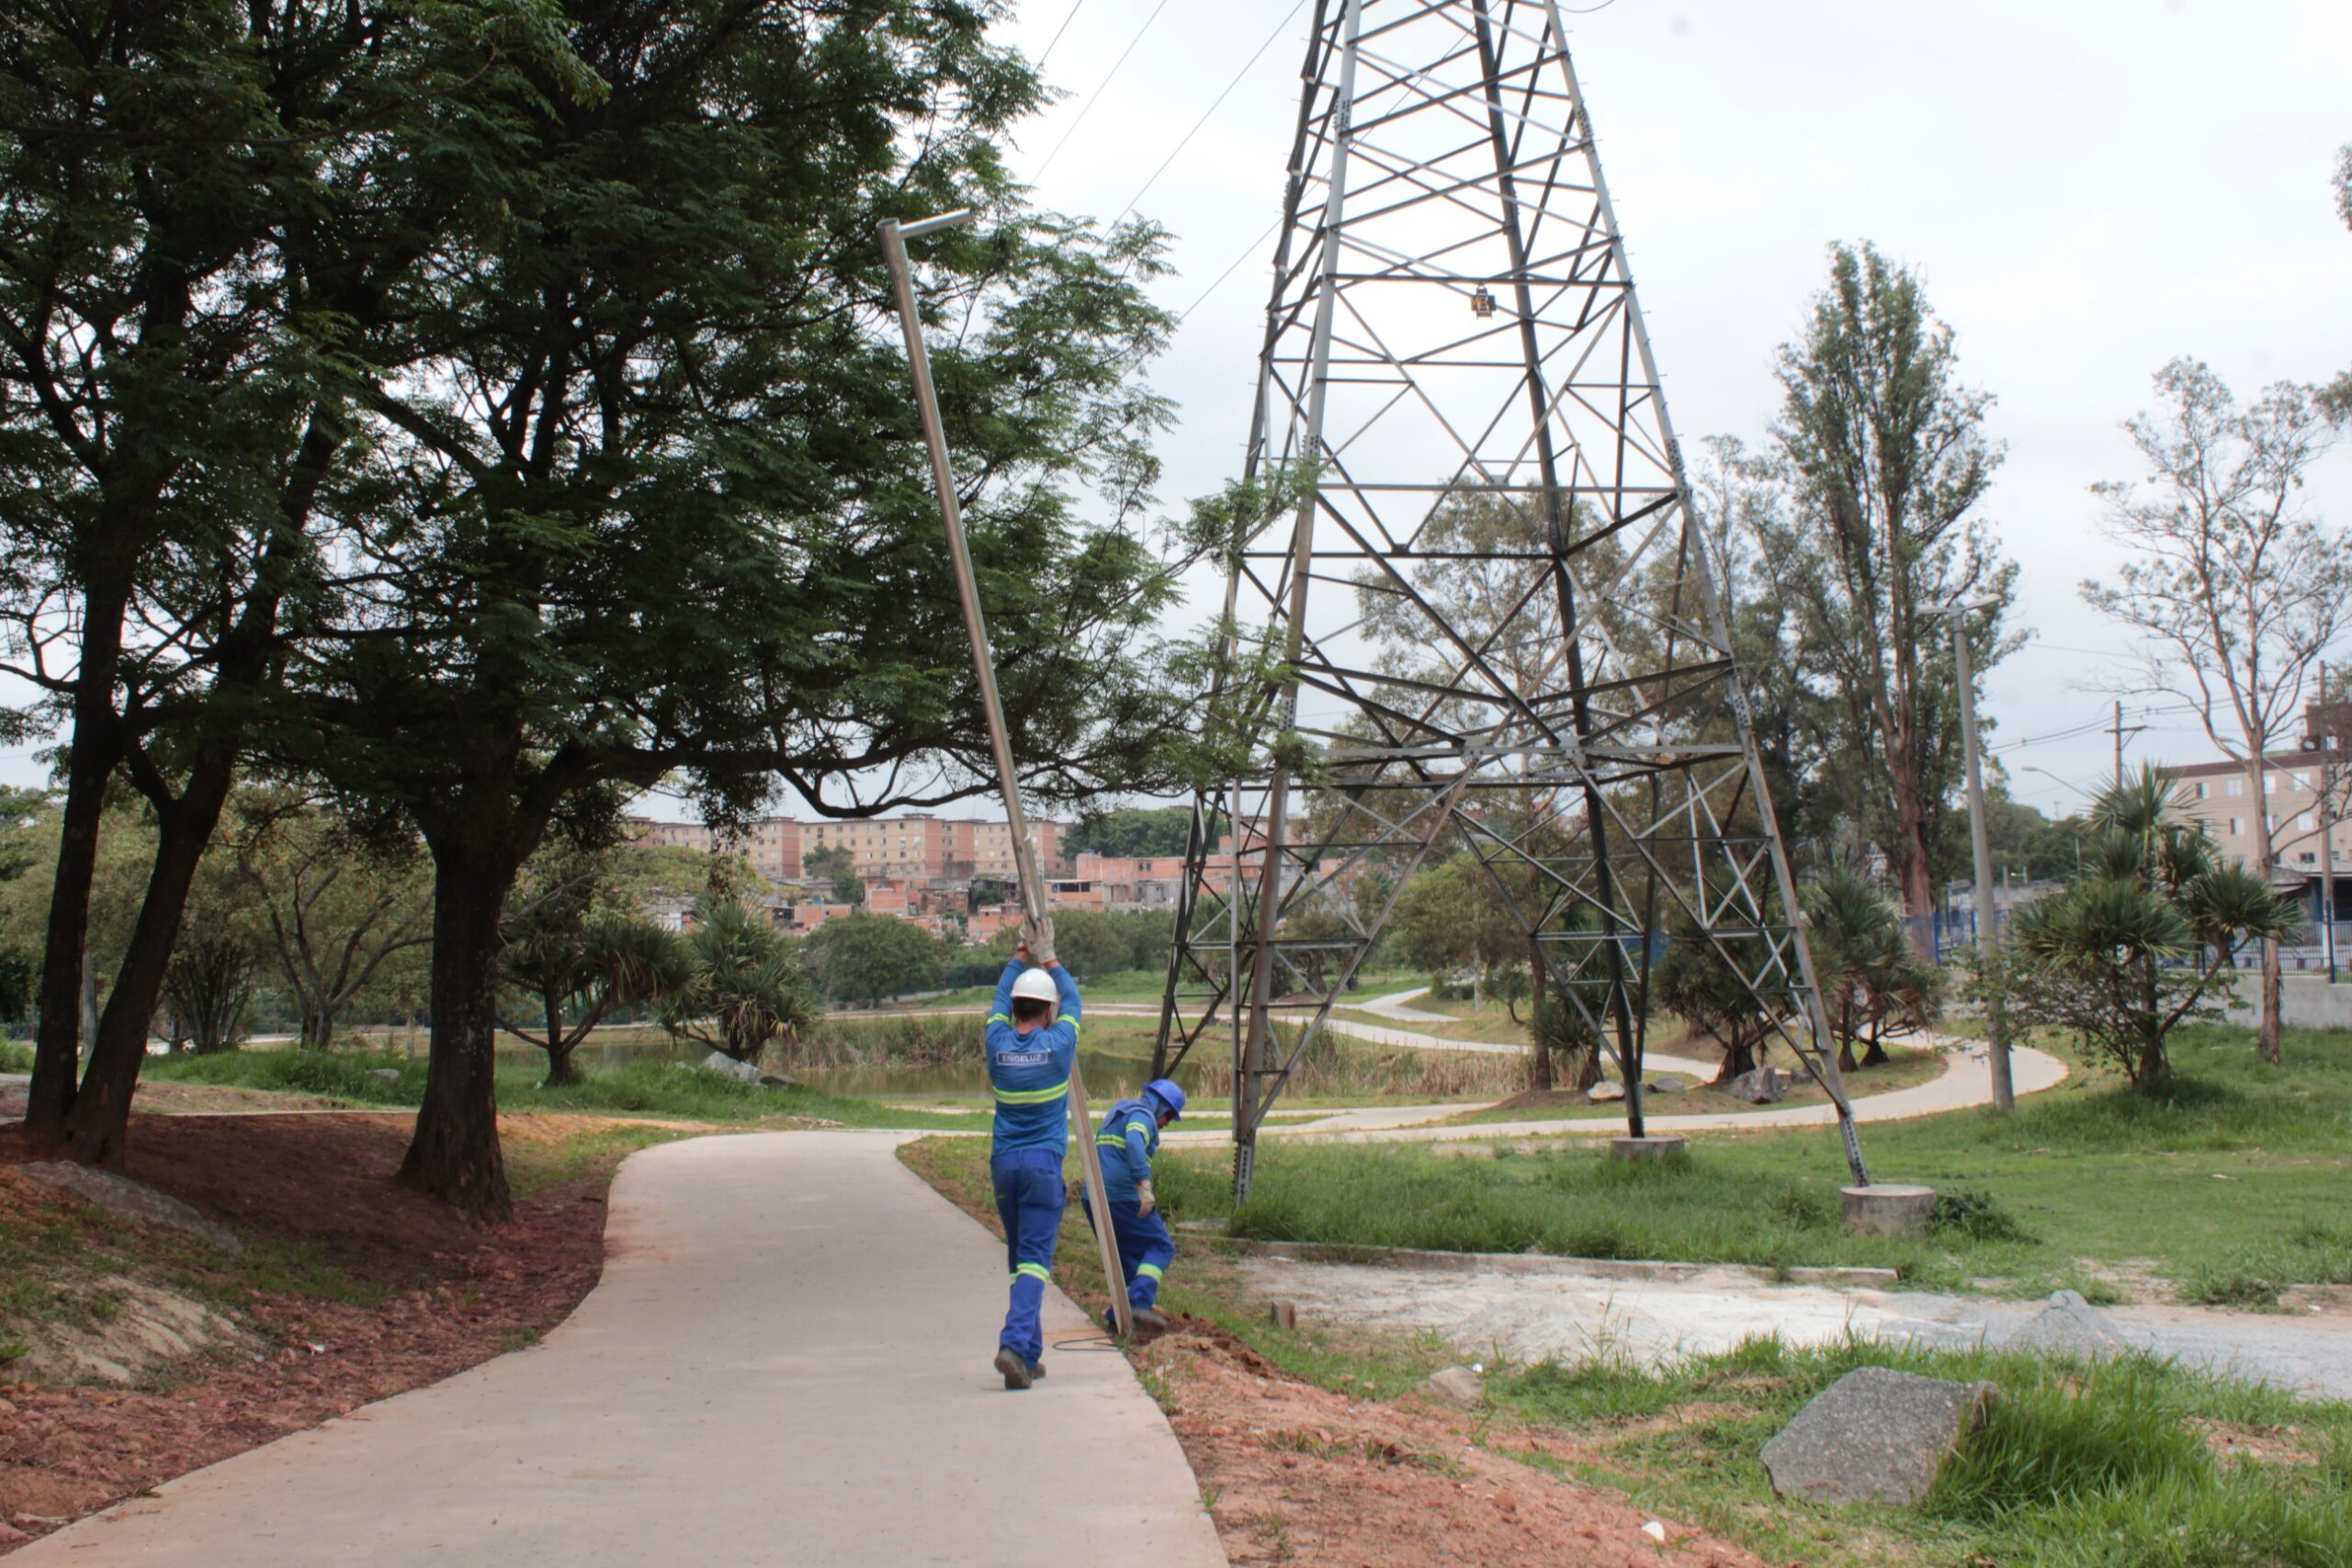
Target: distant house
[2286,806]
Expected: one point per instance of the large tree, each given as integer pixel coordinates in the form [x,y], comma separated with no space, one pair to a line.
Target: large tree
[208,208]
[2234,588]
[2338,397]
[1889,460]
[651,497]
[335,904]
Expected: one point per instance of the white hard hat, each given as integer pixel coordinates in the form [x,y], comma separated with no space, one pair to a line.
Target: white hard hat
[1036,986]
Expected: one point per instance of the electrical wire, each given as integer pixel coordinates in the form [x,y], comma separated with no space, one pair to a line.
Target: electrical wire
[1136,199]
[1094,97]
[1252,250]
[1057,34]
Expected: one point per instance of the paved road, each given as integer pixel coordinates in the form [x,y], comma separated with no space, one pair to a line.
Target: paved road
[786,1363]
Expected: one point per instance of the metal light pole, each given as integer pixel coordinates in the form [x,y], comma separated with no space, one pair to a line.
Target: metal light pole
[2005,1096]
[967,589]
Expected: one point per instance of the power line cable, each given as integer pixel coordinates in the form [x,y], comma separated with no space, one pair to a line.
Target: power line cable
[1094,97]
[1252,250]
[1057,34]
[1136,199]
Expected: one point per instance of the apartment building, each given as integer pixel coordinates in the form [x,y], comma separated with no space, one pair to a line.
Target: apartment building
[921,848]
[1134,882]
[986,847]
[2288,806]
[772,844]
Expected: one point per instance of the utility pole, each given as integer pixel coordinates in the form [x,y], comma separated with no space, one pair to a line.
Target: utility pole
[2005,1096]
[2118,731]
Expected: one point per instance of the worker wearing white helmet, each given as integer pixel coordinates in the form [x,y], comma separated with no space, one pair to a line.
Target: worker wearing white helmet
[1032,1038]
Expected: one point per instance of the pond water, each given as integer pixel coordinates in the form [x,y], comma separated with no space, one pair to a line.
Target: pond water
[1108,1077]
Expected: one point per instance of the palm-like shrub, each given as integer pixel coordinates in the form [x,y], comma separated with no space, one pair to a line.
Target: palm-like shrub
[743,983]
[1874,983]
[1694,982]
[577,950]
[2144,938]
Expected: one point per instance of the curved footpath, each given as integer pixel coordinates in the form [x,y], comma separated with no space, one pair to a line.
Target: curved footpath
[787,1362]
[1966,1080]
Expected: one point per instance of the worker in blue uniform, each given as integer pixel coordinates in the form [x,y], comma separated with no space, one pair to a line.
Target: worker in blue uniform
[1031,1041]
[1128,1138]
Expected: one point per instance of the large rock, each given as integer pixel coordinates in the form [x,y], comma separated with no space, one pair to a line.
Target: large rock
[741,1072]
[1457,1386]
[1665,1086]
[1605,1089]
[2069,1326]
[118,1194]
[1875,1436]
[387,1076]
[1760,1087]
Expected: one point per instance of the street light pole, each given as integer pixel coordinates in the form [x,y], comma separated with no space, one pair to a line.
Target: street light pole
[895,236]
[2005,1096]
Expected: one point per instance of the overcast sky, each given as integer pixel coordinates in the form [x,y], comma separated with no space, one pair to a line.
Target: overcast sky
[2088,189]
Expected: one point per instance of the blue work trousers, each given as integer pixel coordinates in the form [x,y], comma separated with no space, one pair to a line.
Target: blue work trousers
[1029,1198]
[1145,1250]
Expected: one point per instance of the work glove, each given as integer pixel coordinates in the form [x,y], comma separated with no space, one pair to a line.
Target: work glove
[1145,1201]
[1037,936]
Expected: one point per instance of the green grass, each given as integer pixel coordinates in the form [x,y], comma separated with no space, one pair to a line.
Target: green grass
[2228,1183]
[642,1089]
[2077,1466]
[16,1057]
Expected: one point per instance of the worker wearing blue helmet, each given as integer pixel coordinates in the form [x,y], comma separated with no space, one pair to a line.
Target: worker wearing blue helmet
[1128,1138]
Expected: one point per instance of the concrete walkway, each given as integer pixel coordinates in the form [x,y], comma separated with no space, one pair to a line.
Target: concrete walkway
[1966,1080]
[1576,1311]
[786,1363]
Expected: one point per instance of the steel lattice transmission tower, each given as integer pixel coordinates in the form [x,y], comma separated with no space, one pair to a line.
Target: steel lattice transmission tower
[1495,605]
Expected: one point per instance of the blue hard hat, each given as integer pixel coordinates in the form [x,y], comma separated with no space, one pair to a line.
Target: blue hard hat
[1166,1092]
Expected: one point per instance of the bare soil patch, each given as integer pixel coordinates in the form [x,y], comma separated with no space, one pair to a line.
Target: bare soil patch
[1295,1472]
[353,1290]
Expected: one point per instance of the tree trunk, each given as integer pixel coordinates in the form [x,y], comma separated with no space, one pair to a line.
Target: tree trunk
[95,1126]
[92,750]
[318,1024]
[455,1155]
[559,1068]
[2266,856]
[2267,1043]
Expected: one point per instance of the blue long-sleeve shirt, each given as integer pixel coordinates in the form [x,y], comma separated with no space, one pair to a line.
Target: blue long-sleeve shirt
[1029,1069]
[1129,1137]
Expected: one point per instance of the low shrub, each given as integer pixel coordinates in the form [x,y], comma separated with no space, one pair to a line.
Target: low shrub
[1976,1216]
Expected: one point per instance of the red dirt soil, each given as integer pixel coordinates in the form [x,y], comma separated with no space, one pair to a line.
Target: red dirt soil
[1300,1474]
[459,1297]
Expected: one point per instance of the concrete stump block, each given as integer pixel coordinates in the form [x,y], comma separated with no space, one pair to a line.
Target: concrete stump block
[1644,1148]
[1885,1209]
[1875,1435]
[1285,1314]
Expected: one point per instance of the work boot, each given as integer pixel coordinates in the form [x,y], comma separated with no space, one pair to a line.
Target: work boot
[1014,1366]
[1036,1371]
[1149,1321]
